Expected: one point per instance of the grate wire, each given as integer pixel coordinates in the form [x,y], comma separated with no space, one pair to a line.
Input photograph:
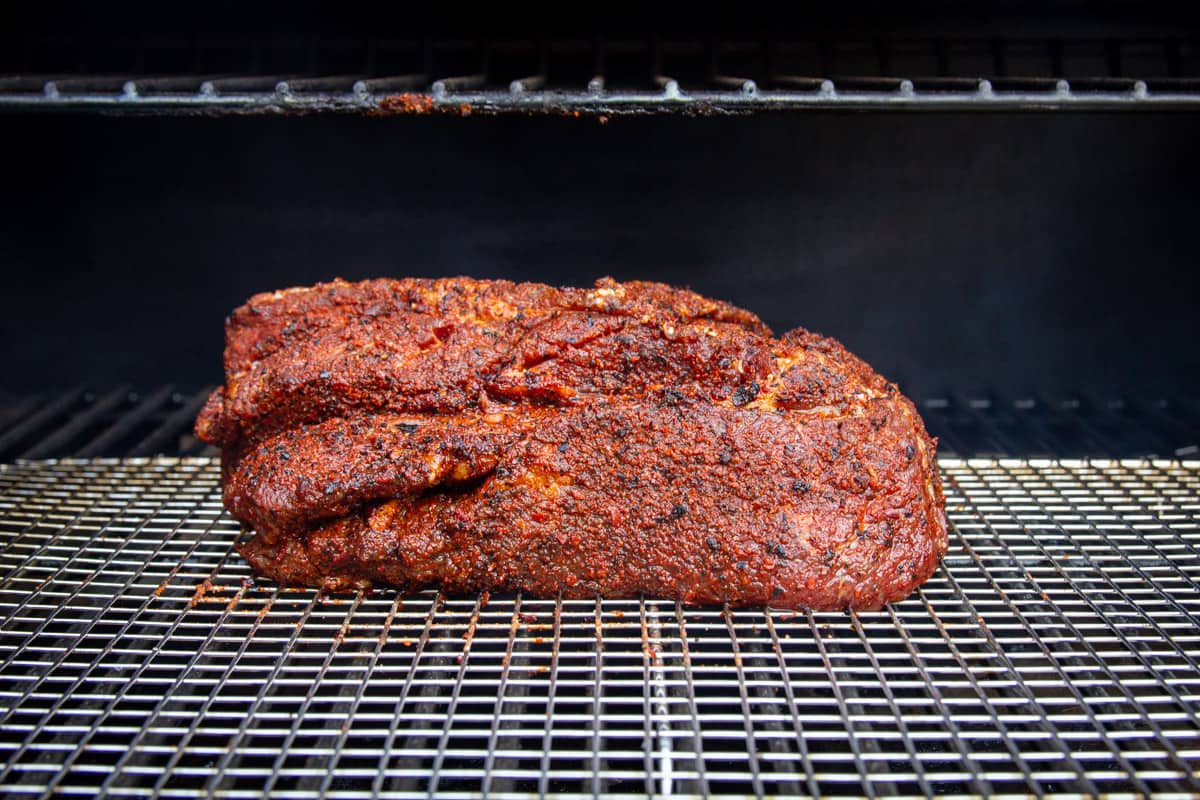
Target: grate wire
[1010,68]
[1118,631]
[106,713]
[810,780]
[697,736]
[1054,654]
[180,750]
[402,699]
[1041,714]
[501,692]
[228,758]
[889,696]
[548,728]
[747,718]
[66,604]
[981,786]
[839,695]
[344,732]
[1053,660]
[463,659]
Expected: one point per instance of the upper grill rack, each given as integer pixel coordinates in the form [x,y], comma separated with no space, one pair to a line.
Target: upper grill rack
[612,77]
[122,422]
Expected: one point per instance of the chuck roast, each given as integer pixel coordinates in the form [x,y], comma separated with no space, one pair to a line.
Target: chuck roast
[630,438]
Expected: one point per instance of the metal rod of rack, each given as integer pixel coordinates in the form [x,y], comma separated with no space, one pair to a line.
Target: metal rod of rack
[455,94]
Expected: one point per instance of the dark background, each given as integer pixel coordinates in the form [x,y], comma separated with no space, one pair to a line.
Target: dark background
[976,253]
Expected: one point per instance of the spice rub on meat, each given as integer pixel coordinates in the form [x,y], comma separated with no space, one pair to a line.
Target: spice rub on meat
[629,438]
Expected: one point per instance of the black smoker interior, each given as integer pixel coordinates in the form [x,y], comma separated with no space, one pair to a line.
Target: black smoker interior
[1027,276]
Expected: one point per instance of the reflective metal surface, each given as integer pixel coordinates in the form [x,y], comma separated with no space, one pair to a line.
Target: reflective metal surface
[1054,654]
[465,95]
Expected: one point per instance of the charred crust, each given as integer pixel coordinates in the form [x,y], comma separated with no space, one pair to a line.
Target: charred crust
[744,394]
[623,440]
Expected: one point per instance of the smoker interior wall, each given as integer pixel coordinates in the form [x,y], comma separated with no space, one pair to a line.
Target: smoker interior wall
[1007,253]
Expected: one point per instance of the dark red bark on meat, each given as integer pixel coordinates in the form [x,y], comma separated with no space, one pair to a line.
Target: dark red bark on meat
[631,438]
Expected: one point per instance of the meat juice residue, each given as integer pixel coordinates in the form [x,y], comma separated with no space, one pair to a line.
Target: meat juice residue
[406,103]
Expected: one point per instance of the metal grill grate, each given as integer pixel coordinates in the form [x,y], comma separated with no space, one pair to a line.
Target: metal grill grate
[415,74]
[458,95]
[1054,653]
[117,422]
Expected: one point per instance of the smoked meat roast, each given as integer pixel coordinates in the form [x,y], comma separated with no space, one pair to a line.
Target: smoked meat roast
[627,439]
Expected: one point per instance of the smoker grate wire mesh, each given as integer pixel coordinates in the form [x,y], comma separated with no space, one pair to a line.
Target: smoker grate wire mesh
[416,72]
[1054,654]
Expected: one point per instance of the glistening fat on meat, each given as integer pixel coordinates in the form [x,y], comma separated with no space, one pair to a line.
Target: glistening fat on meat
[630,438]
